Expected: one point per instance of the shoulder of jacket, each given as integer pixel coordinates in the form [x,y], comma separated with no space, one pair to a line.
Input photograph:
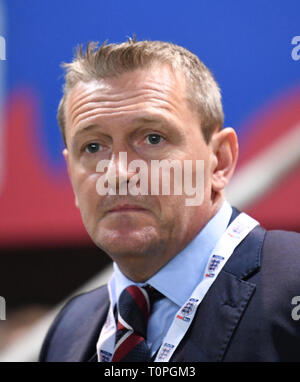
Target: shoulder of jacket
[283,242]
[281,264]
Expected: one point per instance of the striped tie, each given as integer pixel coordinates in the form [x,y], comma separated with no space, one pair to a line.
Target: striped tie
[133,315]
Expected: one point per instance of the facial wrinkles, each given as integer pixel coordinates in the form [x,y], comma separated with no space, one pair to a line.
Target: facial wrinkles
[133,104]
[106,100]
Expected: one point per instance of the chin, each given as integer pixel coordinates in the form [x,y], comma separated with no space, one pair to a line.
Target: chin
[127,241]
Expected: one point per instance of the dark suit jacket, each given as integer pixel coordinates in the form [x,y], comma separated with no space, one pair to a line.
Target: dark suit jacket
[245,316]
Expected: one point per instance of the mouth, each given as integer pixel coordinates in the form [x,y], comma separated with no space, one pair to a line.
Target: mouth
[127,208]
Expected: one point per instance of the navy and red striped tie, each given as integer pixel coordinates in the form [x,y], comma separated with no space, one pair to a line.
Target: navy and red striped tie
[133,313]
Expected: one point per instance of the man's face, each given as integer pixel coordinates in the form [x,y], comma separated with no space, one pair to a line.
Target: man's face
[143,113]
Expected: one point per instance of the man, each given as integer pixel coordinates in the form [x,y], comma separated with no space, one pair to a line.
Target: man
[192,281]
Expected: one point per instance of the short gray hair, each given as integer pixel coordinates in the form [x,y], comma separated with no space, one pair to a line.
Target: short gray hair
[111,60]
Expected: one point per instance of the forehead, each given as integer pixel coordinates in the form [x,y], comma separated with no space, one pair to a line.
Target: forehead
[158,90]
[160,77]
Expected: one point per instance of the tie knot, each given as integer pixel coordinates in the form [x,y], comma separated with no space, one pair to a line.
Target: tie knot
[134,308]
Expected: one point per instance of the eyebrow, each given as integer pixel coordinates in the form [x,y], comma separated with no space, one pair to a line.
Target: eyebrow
[81,131]
[139,120]
[142,120]
[85,129]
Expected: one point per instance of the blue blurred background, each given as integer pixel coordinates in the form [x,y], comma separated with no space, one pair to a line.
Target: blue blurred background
[44,250]
[247,45]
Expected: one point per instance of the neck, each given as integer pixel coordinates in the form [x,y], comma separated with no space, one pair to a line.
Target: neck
[142,266]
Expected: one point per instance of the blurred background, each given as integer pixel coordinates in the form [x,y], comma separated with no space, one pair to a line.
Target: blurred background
[45,254]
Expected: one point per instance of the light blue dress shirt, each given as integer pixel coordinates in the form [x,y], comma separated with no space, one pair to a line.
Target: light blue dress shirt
[178,278]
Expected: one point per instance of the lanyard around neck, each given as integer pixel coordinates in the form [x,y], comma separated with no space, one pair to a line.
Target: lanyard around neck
[235,233]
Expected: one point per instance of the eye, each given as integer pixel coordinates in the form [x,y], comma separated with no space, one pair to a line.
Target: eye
[154,139]
[92,148]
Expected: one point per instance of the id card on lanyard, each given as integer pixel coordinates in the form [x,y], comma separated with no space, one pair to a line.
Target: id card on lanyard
[231,238]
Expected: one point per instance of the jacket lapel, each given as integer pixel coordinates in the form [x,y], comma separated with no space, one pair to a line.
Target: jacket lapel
[220,311]
[217,316]
[83,348]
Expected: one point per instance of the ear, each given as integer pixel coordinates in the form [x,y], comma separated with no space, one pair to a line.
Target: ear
[65,153]
[225,151]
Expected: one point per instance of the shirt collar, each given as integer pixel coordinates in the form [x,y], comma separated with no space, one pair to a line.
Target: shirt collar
[180,276]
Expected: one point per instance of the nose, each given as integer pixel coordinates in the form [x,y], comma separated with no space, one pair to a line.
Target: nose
[122,174]
[118,174]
